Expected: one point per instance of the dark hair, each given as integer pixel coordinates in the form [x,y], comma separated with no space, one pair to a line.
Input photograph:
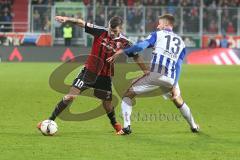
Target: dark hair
[115,21]
[170,18]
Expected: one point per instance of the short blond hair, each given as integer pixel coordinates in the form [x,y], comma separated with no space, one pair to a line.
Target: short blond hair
[170,18]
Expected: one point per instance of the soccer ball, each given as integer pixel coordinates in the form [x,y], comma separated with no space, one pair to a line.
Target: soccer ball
[48,127]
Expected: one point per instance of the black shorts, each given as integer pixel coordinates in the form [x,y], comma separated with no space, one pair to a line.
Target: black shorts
[102,85]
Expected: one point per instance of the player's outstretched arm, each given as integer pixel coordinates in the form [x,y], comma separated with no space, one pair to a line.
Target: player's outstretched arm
[140,46]
[137,47]
[76,21]
[114,57]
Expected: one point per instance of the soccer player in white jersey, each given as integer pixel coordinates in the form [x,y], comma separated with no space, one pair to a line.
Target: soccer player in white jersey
[168,54]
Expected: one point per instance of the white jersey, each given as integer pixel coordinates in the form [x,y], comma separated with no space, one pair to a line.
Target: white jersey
[168,48]
[168,54]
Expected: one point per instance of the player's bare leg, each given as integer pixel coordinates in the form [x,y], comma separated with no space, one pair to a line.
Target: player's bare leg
[186,113]
[127,111]
[64,103]
[107,104]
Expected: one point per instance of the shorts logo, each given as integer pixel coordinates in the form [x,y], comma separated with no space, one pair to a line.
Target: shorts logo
[108,94]
[79,83]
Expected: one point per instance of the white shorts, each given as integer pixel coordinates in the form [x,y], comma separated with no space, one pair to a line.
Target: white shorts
[153,81]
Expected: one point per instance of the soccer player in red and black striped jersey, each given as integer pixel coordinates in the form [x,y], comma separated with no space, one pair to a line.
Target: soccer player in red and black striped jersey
[97,72]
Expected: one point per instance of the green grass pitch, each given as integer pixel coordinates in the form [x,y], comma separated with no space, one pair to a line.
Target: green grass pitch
[212,92]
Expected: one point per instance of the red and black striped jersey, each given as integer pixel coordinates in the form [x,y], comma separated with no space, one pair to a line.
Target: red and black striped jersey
[103,47]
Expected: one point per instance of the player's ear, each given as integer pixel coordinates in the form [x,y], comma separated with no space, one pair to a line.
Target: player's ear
[121,28]
[166,22]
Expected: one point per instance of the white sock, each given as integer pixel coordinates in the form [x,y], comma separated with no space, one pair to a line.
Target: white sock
[126,111]
[186,113]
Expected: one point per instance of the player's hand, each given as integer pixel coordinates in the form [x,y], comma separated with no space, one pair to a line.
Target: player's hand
[114,57]
[175,93]
[61,19]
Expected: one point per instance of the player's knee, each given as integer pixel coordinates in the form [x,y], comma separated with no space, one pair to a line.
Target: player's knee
[106,103]
[129,94]
[127,100]
[69,97]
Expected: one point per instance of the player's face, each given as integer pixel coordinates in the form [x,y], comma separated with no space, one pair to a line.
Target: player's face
[114,32]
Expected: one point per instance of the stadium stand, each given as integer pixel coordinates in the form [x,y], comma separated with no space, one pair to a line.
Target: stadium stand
[20,19]
[194,18]
[6,15]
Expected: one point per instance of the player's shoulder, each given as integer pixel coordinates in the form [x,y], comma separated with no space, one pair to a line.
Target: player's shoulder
[123,38]
[171,33]
[99,27]
[96,27]
[167,32]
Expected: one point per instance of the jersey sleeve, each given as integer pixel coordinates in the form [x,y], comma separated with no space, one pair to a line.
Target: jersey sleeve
[127,43]
[140,46]
[152,38]
[94,29]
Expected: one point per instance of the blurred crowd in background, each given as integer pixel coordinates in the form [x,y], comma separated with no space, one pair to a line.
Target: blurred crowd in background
[212,3]
[6,15]
[191,13]
[218,16]
[190,18]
